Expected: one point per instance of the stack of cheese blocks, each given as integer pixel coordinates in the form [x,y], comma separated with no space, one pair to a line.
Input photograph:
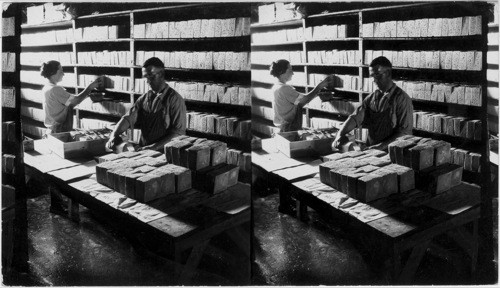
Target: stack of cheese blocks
[207,159]
[144,175]
[431,161]
[365,175]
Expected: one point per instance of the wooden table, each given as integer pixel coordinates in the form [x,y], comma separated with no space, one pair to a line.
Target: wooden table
[184,222]
[391,227]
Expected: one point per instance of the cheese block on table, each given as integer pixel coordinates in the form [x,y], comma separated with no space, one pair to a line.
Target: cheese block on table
[369,188]
[389,181]
[130,179]
[324,171]
[442,153]
[375,152]
[183,179]
[110,157]
[352,162]
[335,156]
[434,179]
[396,150]
[367,169]
[406,177]
[167,181]
[216,179]
[335,176]
[198,157]
[147,188]
[101,169]
[352,180]
[378,161]
[173,151]
[422,156]
[218,152]
[118,176]
[150,153]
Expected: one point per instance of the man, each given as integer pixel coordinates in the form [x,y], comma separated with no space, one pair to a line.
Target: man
[160,113]
[387,113]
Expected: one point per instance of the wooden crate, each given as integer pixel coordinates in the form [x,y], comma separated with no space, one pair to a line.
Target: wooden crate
[287,144]
[61,144]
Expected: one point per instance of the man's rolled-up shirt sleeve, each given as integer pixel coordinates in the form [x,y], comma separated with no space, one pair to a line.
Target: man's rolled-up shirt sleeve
[404,115]
[177,115]
[359,114]
[132,115]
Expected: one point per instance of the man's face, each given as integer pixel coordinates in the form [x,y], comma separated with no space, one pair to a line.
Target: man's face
[154,76]
[380,76]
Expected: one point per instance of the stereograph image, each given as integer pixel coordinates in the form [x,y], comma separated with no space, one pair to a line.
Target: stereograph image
[237,144]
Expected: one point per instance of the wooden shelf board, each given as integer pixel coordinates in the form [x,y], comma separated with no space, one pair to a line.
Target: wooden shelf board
[334,40]
[104,40]
[58,24]
[276,44]
[232,38]
[334,65]
[463,37]
[46,45]
[295,22]
[100,66]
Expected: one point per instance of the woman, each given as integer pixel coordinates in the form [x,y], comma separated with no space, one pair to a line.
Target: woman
[58,103]
[58,106]
[288,102]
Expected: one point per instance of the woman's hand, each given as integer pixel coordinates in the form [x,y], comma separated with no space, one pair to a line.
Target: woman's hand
[96,83]
[327,81]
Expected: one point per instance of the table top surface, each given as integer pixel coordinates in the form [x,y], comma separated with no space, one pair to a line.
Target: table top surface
[177,215]
[395,216]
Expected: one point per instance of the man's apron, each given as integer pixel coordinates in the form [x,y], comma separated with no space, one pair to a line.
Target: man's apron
[379,124]
[152,124]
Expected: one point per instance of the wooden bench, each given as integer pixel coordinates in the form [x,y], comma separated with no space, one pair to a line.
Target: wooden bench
[184,222]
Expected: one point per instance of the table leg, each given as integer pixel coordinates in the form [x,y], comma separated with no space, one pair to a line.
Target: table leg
[468,241]
[192,262]
[412,263]
[238,236]
[286,201]
[302,211]
[73,210]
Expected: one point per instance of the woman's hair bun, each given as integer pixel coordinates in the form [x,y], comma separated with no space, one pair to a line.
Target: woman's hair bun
[49,68]
[278,67]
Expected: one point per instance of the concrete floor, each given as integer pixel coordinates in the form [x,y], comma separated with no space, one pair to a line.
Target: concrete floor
[291,252]
[287,252]
[94,253]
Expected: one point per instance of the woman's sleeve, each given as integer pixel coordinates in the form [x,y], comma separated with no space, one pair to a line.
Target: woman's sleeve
[290,94]
[61,95]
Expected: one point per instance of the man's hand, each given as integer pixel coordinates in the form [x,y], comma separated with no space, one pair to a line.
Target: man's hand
[96,83]
[147,147]
[112,142]
[336,142]
[376,146]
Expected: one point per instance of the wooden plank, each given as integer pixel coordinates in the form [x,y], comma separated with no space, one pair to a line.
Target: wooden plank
[273,162]
[413,262]
[294,173]
[192,262]
[79,171]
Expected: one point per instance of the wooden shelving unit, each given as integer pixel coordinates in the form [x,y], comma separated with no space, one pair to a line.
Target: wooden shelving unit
[126,41]
[14,192]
